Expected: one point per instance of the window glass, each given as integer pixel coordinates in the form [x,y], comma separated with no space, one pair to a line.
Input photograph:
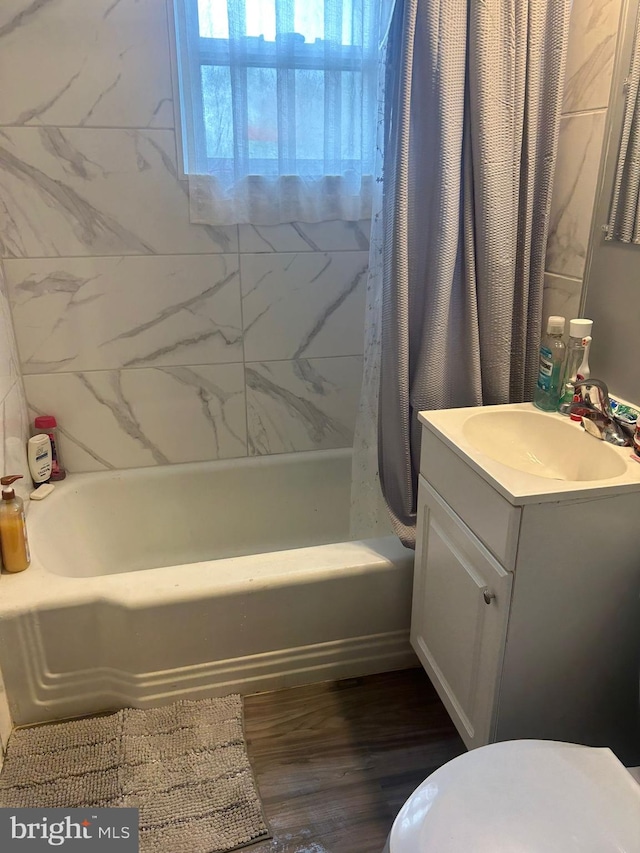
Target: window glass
[282,87]
[262,100]
[216,98]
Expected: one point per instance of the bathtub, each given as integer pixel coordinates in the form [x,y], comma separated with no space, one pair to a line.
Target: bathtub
[185,581]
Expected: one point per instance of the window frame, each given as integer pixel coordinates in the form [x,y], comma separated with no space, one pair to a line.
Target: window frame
[204,51]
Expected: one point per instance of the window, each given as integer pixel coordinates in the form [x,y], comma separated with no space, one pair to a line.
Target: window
[278,105]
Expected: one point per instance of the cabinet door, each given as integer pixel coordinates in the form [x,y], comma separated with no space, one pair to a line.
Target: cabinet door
[461,600]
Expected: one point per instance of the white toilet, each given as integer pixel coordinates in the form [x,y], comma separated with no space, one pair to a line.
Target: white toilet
[523,796]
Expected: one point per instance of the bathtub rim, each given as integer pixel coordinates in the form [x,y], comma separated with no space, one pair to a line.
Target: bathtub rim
[175,468]
[53,510]
[38,588]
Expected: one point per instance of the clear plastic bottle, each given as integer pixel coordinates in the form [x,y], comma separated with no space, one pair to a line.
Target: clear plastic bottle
[579,337]
[552,350]
[13,530]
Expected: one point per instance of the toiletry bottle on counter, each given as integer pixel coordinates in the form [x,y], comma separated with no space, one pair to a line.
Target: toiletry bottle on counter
[552,349]
[13,529]
[48,424]
[579,340]
[40,458]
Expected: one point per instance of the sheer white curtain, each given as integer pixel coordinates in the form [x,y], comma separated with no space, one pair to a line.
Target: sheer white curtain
[369,517]
[278,102]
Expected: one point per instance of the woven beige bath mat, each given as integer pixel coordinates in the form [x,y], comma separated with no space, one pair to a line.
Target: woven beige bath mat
[184,766]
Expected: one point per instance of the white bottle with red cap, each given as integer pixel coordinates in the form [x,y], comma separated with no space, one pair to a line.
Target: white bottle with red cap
[577,358]
[47,424]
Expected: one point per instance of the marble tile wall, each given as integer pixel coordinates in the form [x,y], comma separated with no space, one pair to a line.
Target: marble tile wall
[591,54]
[154,340]
[14,427]
[14,433]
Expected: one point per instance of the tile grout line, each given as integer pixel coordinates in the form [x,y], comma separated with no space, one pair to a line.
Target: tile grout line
[40,126]
[53,258]
[573,278]
[244,355]
[199,364]
[590,112]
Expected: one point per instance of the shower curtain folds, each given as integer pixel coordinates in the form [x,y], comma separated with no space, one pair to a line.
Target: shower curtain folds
[472,112]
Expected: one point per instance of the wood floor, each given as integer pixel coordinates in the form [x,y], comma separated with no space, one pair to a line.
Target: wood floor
[335,761]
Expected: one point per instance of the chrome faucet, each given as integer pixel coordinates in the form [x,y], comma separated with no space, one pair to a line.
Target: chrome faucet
[595,411]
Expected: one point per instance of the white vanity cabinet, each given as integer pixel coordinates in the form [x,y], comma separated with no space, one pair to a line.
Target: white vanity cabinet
[460,612]
[526,611]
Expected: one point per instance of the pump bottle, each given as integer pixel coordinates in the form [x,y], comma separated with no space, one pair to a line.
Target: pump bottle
[13,529]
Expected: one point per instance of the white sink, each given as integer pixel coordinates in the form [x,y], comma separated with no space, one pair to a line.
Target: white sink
[547,446]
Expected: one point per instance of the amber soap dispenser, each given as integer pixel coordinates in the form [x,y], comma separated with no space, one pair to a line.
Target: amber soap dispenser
[13,528]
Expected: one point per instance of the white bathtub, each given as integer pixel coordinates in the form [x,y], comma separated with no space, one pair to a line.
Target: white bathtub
[186,581]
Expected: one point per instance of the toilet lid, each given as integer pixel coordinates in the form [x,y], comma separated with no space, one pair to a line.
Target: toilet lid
[526,796]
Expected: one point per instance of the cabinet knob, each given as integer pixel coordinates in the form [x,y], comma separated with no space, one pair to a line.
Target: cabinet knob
[488,596]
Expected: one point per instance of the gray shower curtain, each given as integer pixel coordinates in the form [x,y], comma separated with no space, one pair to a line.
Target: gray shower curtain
[472,114]
[624,213]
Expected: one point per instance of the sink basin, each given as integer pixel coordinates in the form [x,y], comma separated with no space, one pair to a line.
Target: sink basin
[543,445]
